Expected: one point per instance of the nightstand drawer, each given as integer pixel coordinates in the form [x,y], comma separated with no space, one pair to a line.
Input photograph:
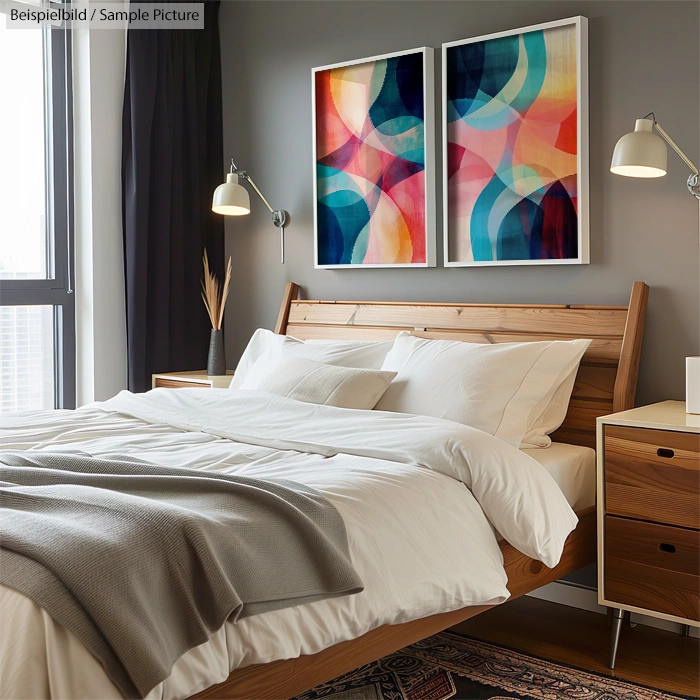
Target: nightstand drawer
[651,566]
[192,379]
[177,384]
[653,475]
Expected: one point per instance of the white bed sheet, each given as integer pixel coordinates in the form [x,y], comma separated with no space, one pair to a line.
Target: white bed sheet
[414,537]
[573,468]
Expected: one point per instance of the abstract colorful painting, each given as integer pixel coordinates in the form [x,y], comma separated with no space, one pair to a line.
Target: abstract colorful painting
[374,161]
[515,146]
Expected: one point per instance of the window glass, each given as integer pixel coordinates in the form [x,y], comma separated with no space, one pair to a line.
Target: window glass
[26,358]
[23,160]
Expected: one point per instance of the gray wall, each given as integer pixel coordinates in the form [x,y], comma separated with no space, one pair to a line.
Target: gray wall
[643,57]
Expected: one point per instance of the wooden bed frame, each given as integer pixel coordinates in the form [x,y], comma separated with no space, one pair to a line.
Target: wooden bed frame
[606,383]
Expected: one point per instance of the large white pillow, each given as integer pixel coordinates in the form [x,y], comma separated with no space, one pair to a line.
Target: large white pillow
[266,350]
[258,343]
[330,385]
[501,389]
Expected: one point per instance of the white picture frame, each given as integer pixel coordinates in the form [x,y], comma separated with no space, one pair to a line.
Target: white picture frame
[430,136]
[583,205]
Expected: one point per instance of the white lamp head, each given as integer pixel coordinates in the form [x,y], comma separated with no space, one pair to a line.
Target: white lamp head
[641,153]
[231,198]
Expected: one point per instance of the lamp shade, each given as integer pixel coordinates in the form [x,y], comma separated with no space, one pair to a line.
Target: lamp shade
[231,198]
[641,153]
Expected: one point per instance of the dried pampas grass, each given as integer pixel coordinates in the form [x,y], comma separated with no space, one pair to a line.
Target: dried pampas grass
[212,293]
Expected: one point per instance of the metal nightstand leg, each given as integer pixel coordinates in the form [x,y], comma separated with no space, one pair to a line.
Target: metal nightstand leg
[618,614]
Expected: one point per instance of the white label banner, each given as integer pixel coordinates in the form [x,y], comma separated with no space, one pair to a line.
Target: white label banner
[108,15]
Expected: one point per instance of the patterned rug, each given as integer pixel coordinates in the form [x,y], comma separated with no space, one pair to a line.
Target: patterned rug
[449,665]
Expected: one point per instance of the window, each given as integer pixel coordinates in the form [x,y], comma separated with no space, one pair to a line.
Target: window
[37,309]
[26,357]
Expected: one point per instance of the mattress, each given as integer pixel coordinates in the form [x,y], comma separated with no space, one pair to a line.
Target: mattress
[573,468]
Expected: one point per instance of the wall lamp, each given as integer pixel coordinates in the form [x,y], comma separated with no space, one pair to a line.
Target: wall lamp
[232,199]
[642,153]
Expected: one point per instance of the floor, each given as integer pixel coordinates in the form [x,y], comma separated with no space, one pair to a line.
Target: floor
[646,655]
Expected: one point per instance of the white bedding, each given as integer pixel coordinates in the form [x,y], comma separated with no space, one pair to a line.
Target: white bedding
[418,538]
[573,468]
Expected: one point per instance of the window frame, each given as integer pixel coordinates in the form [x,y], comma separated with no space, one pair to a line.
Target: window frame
[57,288]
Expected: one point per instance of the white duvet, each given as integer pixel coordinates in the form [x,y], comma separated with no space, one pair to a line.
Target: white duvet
[420,498]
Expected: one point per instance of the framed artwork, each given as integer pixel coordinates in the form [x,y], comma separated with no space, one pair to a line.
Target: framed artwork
[515,146]
[374,161]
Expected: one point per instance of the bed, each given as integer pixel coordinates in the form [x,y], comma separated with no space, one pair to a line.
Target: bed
[606,382]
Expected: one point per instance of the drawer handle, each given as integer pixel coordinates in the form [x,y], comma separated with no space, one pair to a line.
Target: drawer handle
[665,452]
[668,548]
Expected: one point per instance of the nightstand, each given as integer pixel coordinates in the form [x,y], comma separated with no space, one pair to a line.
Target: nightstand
[649,514]
[191,380]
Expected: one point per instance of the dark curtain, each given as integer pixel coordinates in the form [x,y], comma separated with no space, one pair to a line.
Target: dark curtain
[172,160]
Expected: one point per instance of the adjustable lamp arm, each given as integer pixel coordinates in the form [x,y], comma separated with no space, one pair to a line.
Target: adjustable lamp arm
[279,216]
[245,175]
[675,147]
[693,183]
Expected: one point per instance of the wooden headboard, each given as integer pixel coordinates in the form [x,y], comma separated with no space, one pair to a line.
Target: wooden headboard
[606,381]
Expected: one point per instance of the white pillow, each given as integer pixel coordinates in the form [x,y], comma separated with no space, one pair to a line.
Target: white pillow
[315,382]
[266,350]
[258,343]
[556,404]
[502,389]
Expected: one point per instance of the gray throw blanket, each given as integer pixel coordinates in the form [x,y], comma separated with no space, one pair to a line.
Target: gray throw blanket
[143,562]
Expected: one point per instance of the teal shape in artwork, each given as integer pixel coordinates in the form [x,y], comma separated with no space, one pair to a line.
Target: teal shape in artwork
[360,248]
[342,227]
[326,179]
[352,220]
[377,80]
[490,115]
[479,224]
[325,171]
[401,92]
[399,125]
[415,156]
[341,198]
[461,107]
[536,71]
[336,181]
[408,144]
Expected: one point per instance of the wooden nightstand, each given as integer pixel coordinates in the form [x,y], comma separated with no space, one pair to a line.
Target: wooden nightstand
[649,514]
[199,378]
